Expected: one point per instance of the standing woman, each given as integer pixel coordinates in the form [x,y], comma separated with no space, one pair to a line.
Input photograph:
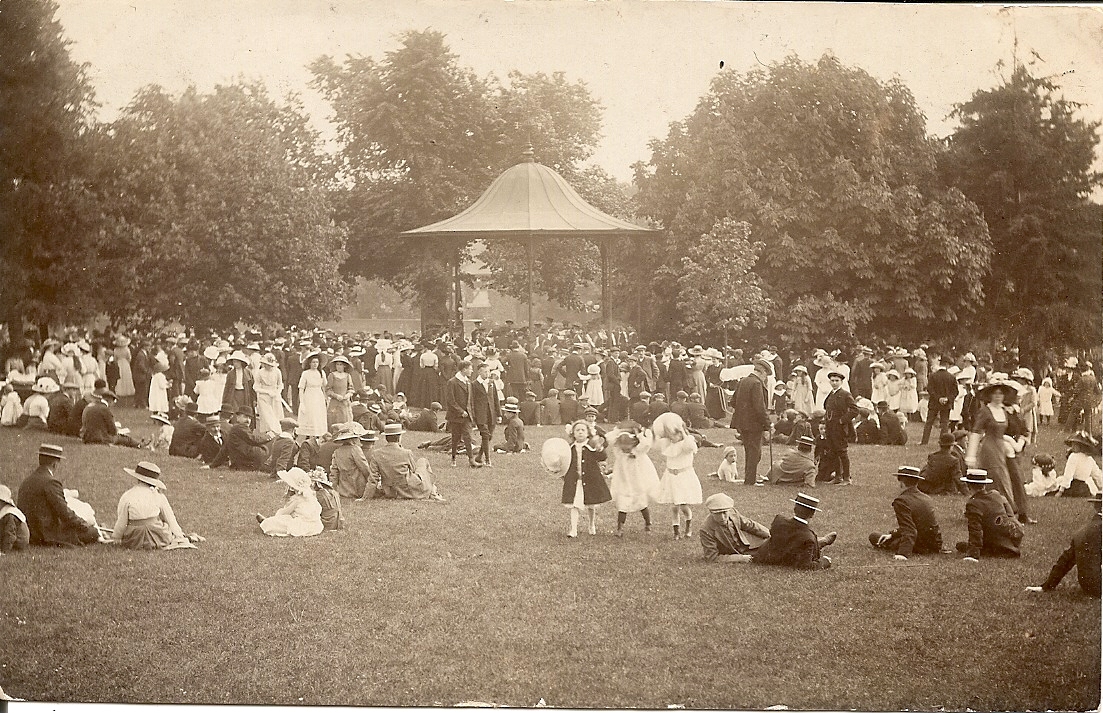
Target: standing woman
[892,390]
[269,387]
[986,443]
[71,380]
[339,390]
[697,371]
[238,392]
[51,365]
[312,398]
[125,387]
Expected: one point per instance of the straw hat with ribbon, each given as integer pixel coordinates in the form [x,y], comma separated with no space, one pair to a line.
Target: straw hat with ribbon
[148,473]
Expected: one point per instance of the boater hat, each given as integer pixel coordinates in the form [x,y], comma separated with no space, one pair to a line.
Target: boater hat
[976,476]
[908,471]
[368,436]
[49,449]
[807,501]
[805,441]
[159,418]
[147,473]
[393,429]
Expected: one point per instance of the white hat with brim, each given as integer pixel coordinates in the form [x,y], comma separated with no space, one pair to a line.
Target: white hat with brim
[976,476]
[147,473]
[238,356]
[6,496]
[296,479]
[269,360]
[211,353]
[45,385]
[339,360]
[161,419]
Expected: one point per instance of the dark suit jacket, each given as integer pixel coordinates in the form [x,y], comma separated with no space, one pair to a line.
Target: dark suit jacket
[51,522]
[861,377]
[485,407]
[941,473]
[517,368]
[941,384]
[246,381]
[242,449]
[186,435]
[76,415]
[749,405]
[1084,554]
[638,411]
[916,524]
[282,455]
[986,536]
[892,433]
[530,412]
[60,405]
[457,400]
[209,447]
[791,544]
[98,424]
[594,489]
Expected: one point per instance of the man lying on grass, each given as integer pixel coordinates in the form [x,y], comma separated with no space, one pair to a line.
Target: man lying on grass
[727,536]
[792,542]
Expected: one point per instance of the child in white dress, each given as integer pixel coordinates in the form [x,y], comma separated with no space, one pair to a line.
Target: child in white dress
[11,408]
[1046,394]
[159,390]
[679,487]
[635,482]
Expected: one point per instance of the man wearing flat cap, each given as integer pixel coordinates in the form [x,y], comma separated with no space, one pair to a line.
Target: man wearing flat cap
[42,500]
[726,536]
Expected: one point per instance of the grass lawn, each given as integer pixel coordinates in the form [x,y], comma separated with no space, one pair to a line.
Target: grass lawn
[484,598]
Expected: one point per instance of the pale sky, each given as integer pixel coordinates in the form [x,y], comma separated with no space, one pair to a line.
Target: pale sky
[648,63]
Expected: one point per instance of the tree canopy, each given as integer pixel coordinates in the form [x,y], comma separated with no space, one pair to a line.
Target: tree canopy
[836,176]
[1024,157]
[216,211]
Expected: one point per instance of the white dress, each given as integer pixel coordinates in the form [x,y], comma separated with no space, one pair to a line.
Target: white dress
[125,386]
[635,482]
[11,408]
[208,394]
[300,517]
[312,404]
[159,393]
[592,390]
[682,487]
[909,395]
[268,384]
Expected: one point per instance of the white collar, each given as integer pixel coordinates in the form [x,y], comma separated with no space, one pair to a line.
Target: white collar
[461,377]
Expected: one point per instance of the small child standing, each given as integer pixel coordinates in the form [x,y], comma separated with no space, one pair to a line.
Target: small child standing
[584,485]
[159,389]
[11,408]
[208,392]
[780,401]
[679,487]
[1046,394]
[728,471]
[635,481]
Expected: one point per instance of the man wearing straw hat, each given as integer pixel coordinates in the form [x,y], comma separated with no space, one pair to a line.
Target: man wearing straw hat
[917,528]
[42,500]
[397,473]
[994,531]
[792,542]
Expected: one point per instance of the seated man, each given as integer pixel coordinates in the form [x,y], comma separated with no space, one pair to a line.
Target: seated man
[76,412]
[515,429]
[726,536]
[696,416]
[1083,554]
[210,445]
[942,473]
[242,449]
[98,424]
[916,524]
[792,542]
[426,419]
[187,434]
[866,430]
[639,410]
[349,468]
[892,433]
[282,451]
[994,530]
[658,407]
[783,429]
[530,409]
[797,465]
[42,500]
[397,474]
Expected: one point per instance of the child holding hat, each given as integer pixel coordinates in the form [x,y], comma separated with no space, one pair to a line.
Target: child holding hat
[635,482]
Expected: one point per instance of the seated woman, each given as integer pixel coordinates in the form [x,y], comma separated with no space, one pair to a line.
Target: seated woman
[145,519]
[1082,477]
[302,515]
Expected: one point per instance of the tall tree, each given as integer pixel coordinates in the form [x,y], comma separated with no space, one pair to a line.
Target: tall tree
[1025,158]
[835,174]
[216,211]
[48,219]
[422,137]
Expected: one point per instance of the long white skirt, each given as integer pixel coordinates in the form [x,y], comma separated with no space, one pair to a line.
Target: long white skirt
[269,412]
[312,412]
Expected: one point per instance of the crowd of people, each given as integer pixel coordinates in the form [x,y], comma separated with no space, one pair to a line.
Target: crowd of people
[309,406]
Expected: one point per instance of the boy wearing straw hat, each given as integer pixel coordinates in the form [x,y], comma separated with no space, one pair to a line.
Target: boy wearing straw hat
[916,524]
[994,531]
[42,499]
[792,541]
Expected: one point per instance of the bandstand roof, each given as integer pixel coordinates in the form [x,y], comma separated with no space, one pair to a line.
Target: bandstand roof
[529,200]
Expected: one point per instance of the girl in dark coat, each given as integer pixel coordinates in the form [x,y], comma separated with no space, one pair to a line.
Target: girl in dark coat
[584,486]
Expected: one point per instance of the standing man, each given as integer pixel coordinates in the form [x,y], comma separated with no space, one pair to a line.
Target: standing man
[176,374]
[841,410]
[861,375]
[485,410]
[942,390]
[749,416]
[457,402]
[42,500]
[571,366]
[517,371]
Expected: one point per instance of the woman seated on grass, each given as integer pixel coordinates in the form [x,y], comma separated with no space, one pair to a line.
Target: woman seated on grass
[302,515]
[145,519]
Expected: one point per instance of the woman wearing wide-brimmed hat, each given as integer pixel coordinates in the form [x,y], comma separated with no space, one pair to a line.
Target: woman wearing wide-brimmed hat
[268,385]
[339,390]
[986,449]
[145,519]
[349,467]
[312,398]
[301,516]
[125,385]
